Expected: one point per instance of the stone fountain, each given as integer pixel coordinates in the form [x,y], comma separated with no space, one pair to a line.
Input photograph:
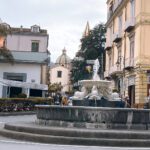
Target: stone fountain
[104,112]
[94,88]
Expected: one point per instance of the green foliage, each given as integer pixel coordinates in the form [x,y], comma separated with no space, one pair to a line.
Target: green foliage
[55,87]
[22,95]
[4,52]
[34,100]
[92,47]
[4,30]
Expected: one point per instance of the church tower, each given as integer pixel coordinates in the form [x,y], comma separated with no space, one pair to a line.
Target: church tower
[87,30]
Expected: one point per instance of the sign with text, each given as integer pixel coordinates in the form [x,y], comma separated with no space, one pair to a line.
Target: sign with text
[90,62]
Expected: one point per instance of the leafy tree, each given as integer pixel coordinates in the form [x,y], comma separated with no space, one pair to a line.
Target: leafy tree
[4,52]
[54,87]
[92,47]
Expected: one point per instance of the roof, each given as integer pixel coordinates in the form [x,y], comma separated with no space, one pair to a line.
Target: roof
[63,59]
[27,31]
[29,57]
[87,30]
[57,65]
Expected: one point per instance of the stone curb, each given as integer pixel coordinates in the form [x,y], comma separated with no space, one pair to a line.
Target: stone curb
[17,113]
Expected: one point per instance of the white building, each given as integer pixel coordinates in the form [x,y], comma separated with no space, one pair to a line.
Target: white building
[60,72]
[28,74]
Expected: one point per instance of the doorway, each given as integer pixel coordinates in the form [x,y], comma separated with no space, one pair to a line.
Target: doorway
[35,93]
[14,91]
[131,93]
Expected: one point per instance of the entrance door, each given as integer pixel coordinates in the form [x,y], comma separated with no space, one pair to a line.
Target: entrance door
[148,90]
[14,91]
[131,93]
[35,93]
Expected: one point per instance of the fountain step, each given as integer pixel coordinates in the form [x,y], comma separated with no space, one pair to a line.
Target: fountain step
[74,136]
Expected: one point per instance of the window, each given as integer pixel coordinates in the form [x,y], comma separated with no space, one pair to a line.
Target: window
[132,8]
[120,23]
[119,59]
[110,59]
[59,74]
[111,34]
[132,47]
[131,50]
[35,46]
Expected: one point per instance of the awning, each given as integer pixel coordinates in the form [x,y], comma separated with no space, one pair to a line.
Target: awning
[27,85]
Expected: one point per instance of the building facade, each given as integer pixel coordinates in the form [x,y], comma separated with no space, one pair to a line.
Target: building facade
[28,73]
[60,72]
[128,48]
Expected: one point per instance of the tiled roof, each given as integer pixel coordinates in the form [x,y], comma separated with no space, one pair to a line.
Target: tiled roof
[27,31]
[29,57]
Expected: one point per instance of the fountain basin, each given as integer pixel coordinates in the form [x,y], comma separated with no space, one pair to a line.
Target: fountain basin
[98,83]
[93,117]
[103,86]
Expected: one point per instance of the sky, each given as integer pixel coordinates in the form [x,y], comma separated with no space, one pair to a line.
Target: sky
[65,20]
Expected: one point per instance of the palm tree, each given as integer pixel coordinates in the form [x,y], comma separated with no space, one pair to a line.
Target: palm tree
[4,52]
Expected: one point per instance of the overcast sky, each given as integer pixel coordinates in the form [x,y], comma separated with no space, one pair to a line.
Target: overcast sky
[65,20]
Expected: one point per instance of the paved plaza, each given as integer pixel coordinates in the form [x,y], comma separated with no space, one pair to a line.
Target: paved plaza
[15,145]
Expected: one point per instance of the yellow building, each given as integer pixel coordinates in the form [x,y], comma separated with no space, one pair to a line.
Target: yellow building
[128,48]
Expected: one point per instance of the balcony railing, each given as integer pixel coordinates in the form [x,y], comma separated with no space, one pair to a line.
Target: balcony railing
[129,24]
[115,70]
[117,37]
[129,63]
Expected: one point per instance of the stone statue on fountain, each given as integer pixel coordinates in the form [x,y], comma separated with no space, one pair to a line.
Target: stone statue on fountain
[95,70]
[94,91]
[80,95]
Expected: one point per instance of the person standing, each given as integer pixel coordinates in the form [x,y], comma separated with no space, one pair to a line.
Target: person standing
[64,101]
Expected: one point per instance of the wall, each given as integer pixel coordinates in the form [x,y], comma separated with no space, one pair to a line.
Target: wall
[33,71]
[65,77]
[23,42]
[93,117]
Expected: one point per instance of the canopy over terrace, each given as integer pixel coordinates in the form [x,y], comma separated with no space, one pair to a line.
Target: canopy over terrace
[25,85]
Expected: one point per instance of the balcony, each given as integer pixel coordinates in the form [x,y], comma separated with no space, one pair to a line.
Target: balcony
[115,71]
[117,37]
[129,24]
[129,63]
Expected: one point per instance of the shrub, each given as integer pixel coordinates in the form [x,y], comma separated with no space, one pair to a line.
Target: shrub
[22,95]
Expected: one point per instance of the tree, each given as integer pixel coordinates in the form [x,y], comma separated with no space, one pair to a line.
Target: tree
[92,47]
[54,87]
[4,52]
